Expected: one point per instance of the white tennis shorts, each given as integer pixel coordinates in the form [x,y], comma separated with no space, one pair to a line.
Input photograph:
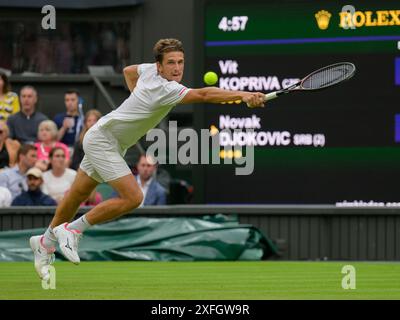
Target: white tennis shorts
[103,160]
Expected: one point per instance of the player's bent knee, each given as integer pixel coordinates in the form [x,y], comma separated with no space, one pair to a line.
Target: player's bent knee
[138,199]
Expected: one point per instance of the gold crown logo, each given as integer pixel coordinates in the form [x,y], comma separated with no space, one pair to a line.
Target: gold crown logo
[323,18]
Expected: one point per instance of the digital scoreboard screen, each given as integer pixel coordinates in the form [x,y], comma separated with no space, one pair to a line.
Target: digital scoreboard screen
[335,146]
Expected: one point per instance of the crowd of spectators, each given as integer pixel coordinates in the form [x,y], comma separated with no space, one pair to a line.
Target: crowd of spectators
[36,153]
[39,156]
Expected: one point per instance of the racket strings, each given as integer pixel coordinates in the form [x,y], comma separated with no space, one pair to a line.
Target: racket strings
[328,76]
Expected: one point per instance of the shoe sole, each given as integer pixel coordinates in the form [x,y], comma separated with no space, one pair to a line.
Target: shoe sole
[69,258]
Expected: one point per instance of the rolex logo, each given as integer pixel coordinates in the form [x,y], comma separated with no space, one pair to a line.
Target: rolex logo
[323,18]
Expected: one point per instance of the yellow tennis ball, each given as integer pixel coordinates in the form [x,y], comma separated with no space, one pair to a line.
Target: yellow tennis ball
[210,78]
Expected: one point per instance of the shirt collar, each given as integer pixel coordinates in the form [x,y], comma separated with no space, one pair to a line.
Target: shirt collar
[146,184]
[28,117]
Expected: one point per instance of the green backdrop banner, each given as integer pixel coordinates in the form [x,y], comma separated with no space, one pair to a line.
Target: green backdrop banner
[156,239]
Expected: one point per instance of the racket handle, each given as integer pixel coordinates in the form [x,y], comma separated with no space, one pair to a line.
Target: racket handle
[271,95]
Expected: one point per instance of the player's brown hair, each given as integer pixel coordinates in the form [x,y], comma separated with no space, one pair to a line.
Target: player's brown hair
[166,45]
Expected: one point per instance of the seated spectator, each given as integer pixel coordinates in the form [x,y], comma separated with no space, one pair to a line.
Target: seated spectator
[153,193]
[8,147]
[5,197]
[58,180]
[70,122]
[91,117]
[34,196]
[9,103]
[94,199]
[14,178]
[47,136]
[24,124]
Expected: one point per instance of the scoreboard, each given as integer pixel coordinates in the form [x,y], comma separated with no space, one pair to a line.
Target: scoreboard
[334,146]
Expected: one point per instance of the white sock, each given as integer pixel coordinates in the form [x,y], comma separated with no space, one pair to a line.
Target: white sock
[80,224]
[49,239]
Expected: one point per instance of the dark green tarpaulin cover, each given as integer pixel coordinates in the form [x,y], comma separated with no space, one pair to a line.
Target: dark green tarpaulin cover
[156,239]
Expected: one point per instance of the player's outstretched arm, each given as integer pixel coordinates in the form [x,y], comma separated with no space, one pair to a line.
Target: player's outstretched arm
[217,95]
[131,76]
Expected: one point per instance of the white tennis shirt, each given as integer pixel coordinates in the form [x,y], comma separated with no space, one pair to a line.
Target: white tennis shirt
[150,101]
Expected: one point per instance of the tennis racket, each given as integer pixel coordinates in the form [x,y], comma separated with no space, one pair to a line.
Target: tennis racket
[320,79]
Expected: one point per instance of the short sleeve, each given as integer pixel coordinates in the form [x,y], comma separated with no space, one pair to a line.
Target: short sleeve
[173,93]
[144,66]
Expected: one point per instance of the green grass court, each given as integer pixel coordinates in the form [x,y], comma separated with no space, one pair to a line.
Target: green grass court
[259,280]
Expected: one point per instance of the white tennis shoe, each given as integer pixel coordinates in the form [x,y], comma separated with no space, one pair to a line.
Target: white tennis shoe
[44,257]
[68,240]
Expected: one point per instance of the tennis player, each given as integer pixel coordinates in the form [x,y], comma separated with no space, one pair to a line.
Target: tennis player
[155,90]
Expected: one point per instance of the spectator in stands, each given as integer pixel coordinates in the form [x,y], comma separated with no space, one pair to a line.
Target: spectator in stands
[9,103]
[70,122]
[94,199]
[34,196]
[58,180]
[47,135]
[91,117]
[14,178]
[25,123]
[8,147]
[5,197]
[153,192]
